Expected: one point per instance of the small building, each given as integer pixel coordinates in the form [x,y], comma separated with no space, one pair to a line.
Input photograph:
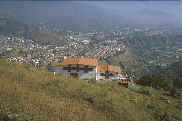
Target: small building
[81,68]
[88,68]
[108,72]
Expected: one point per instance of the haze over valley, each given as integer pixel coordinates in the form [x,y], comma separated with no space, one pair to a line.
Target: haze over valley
[90,61]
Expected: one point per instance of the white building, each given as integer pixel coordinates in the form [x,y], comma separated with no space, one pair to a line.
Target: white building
[87,68]
[108,72]
[81,68]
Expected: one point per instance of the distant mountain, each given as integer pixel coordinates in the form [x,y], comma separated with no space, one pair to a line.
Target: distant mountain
[11,25]
[96,15]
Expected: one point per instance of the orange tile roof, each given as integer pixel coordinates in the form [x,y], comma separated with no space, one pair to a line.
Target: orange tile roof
[109,68]
[88,62]
[81,61]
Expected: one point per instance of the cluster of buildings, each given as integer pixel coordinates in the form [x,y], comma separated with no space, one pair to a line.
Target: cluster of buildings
[27,51]
[105,51]
[34,62]
[23,51]
[88,68]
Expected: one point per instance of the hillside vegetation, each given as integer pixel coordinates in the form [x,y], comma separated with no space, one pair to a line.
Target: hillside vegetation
[172,74]
[130,62]
[31,94]
[145,52]
[174,70]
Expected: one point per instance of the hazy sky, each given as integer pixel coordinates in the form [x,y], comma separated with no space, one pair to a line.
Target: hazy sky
[150,13]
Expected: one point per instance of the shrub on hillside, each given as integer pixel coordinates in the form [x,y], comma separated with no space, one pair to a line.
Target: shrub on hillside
[169,117]
[145,91]
[177,83]
[93,81]
[156,81]
[173,92]
[4,116]
[179,104]
[25,117]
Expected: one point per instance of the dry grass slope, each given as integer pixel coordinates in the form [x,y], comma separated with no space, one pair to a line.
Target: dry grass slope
[36,92]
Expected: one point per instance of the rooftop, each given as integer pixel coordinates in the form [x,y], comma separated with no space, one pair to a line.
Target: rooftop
[80,60]
[109,68]
[89,62]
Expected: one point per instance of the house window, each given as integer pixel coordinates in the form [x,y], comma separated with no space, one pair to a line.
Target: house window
[102,74]
[86,69]
[67,68]
[73,68]
[111,74]
[77,68]
[90,69]
[82,68]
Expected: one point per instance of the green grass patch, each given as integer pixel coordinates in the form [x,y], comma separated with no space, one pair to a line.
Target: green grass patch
[31,94]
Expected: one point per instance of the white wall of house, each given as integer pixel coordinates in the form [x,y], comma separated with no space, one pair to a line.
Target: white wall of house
[92,74]
[114,76]
[58,69]
[100,77]
[88,75]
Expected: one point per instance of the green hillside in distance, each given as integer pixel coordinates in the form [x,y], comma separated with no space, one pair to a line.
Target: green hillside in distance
[145,52]
[171,72]
[34,94]
[175,69]
[129,62]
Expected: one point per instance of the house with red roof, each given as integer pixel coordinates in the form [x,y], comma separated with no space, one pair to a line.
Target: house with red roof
[88,68]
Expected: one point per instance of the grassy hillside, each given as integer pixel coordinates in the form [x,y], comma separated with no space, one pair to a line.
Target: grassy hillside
[30,94]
